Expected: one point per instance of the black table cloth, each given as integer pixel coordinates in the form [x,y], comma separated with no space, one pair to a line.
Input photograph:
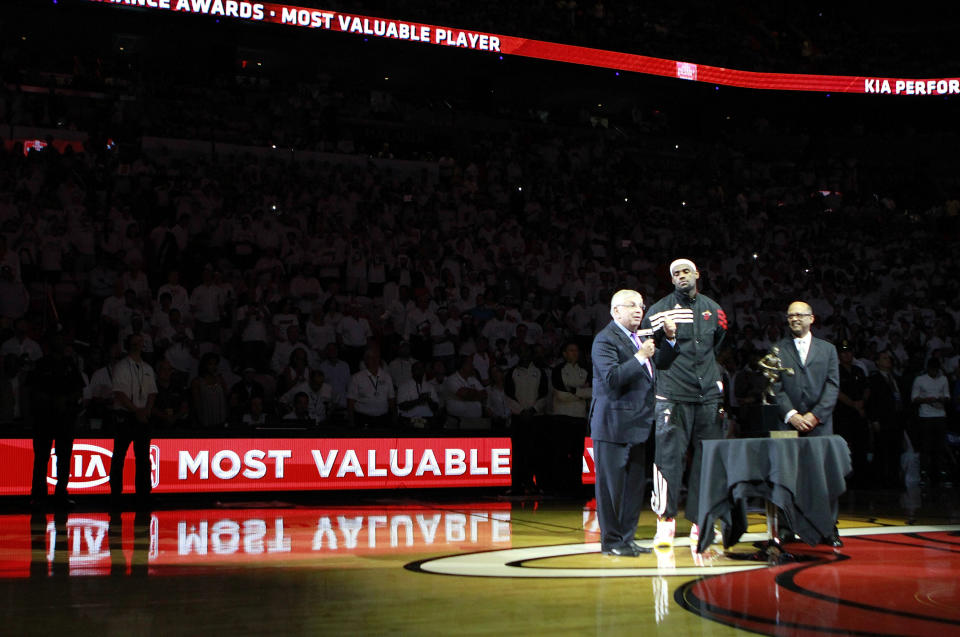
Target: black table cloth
[803,477]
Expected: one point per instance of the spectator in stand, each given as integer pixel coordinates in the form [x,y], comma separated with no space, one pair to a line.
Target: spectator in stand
[178,345]
[116,311]
[483,360]
[20,344]
[850,414]
[160,316]
[137,326]
[337,373]
[445,332]
[209,392]
[301,409]
[354,334]
[464,394]
[371,398]
[288,341]
[499,407]
[171,409]
[931,395]
[320,331]
[297,370]
[306,289]
[418,404]
[252,318]
[134,393]
[254,414]
[401,367]
[206,305]
[572,390]
[528,385]
[886,413]
[319,395]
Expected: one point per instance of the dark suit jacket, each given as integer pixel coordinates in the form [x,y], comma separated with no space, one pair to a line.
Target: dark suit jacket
[622,410]
[813,387]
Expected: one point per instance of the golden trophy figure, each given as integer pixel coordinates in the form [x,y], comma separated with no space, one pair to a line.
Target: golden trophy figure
[771,367]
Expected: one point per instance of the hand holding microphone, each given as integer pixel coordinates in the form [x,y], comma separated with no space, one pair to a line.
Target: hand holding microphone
[647,349]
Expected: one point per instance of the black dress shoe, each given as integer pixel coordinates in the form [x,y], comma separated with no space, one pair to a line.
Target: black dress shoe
[621,551]
[834,540]
[639,549]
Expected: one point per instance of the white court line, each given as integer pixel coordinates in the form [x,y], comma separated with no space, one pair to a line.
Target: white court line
[501,563]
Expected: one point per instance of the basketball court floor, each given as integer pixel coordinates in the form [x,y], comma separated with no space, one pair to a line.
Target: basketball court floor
[443,563]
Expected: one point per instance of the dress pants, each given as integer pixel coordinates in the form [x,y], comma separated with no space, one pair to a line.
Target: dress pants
[128,430]
[620,472]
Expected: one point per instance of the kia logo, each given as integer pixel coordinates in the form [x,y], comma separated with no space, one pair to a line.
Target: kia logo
[89,466]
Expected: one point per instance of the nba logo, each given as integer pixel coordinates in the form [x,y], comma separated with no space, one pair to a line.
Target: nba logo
[154,466]
[686,71]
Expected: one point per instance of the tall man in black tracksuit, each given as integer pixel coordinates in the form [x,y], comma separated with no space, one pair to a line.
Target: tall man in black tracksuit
[689,395]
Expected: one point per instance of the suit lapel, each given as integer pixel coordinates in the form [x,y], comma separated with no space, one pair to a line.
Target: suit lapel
[814,351]
[631,348]
[789,355]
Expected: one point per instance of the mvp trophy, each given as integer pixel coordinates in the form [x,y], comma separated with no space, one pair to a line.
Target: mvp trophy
[771,367]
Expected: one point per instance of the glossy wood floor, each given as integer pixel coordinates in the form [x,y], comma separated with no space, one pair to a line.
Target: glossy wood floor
[436,566]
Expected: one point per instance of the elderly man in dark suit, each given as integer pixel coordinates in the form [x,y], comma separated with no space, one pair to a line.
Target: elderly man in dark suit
[806,399]
[621,418]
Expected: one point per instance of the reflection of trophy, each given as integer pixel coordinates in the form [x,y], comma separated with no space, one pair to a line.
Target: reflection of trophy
[771,367]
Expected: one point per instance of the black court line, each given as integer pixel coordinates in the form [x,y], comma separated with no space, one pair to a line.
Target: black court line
[417,566]
[728,616]
[879,540]
[786,580]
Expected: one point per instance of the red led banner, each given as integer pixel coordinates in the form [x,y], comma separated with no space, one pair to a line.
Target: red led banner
[191,465]
[508,45]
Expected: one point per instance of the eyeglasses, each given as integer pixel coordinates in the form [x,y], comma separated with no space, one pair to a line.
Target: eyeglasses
[632,305]
[798,315]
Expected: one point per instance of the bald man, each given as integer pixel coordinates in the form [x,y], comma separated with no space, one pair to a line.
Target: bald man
[806,400]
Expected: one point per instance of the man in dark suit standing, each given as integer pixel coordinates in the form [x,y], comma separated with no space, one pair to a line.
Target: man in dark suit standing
[886,415]
[806,399]
[621,418]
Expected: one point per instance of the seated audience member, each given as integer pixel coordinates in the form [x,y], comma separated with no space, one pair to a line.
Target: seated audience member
[319,397]
[465,394]
[499,407]
[254,414]
[301,409]
[171,409]
[337,373]
[209,391]
[401,367]
[416,400]
[284,346]
[296,371]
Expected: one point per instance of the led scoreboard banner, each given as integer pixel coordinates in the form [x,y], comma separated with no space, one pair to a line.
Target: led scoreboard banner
[523,47]
[211,465]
